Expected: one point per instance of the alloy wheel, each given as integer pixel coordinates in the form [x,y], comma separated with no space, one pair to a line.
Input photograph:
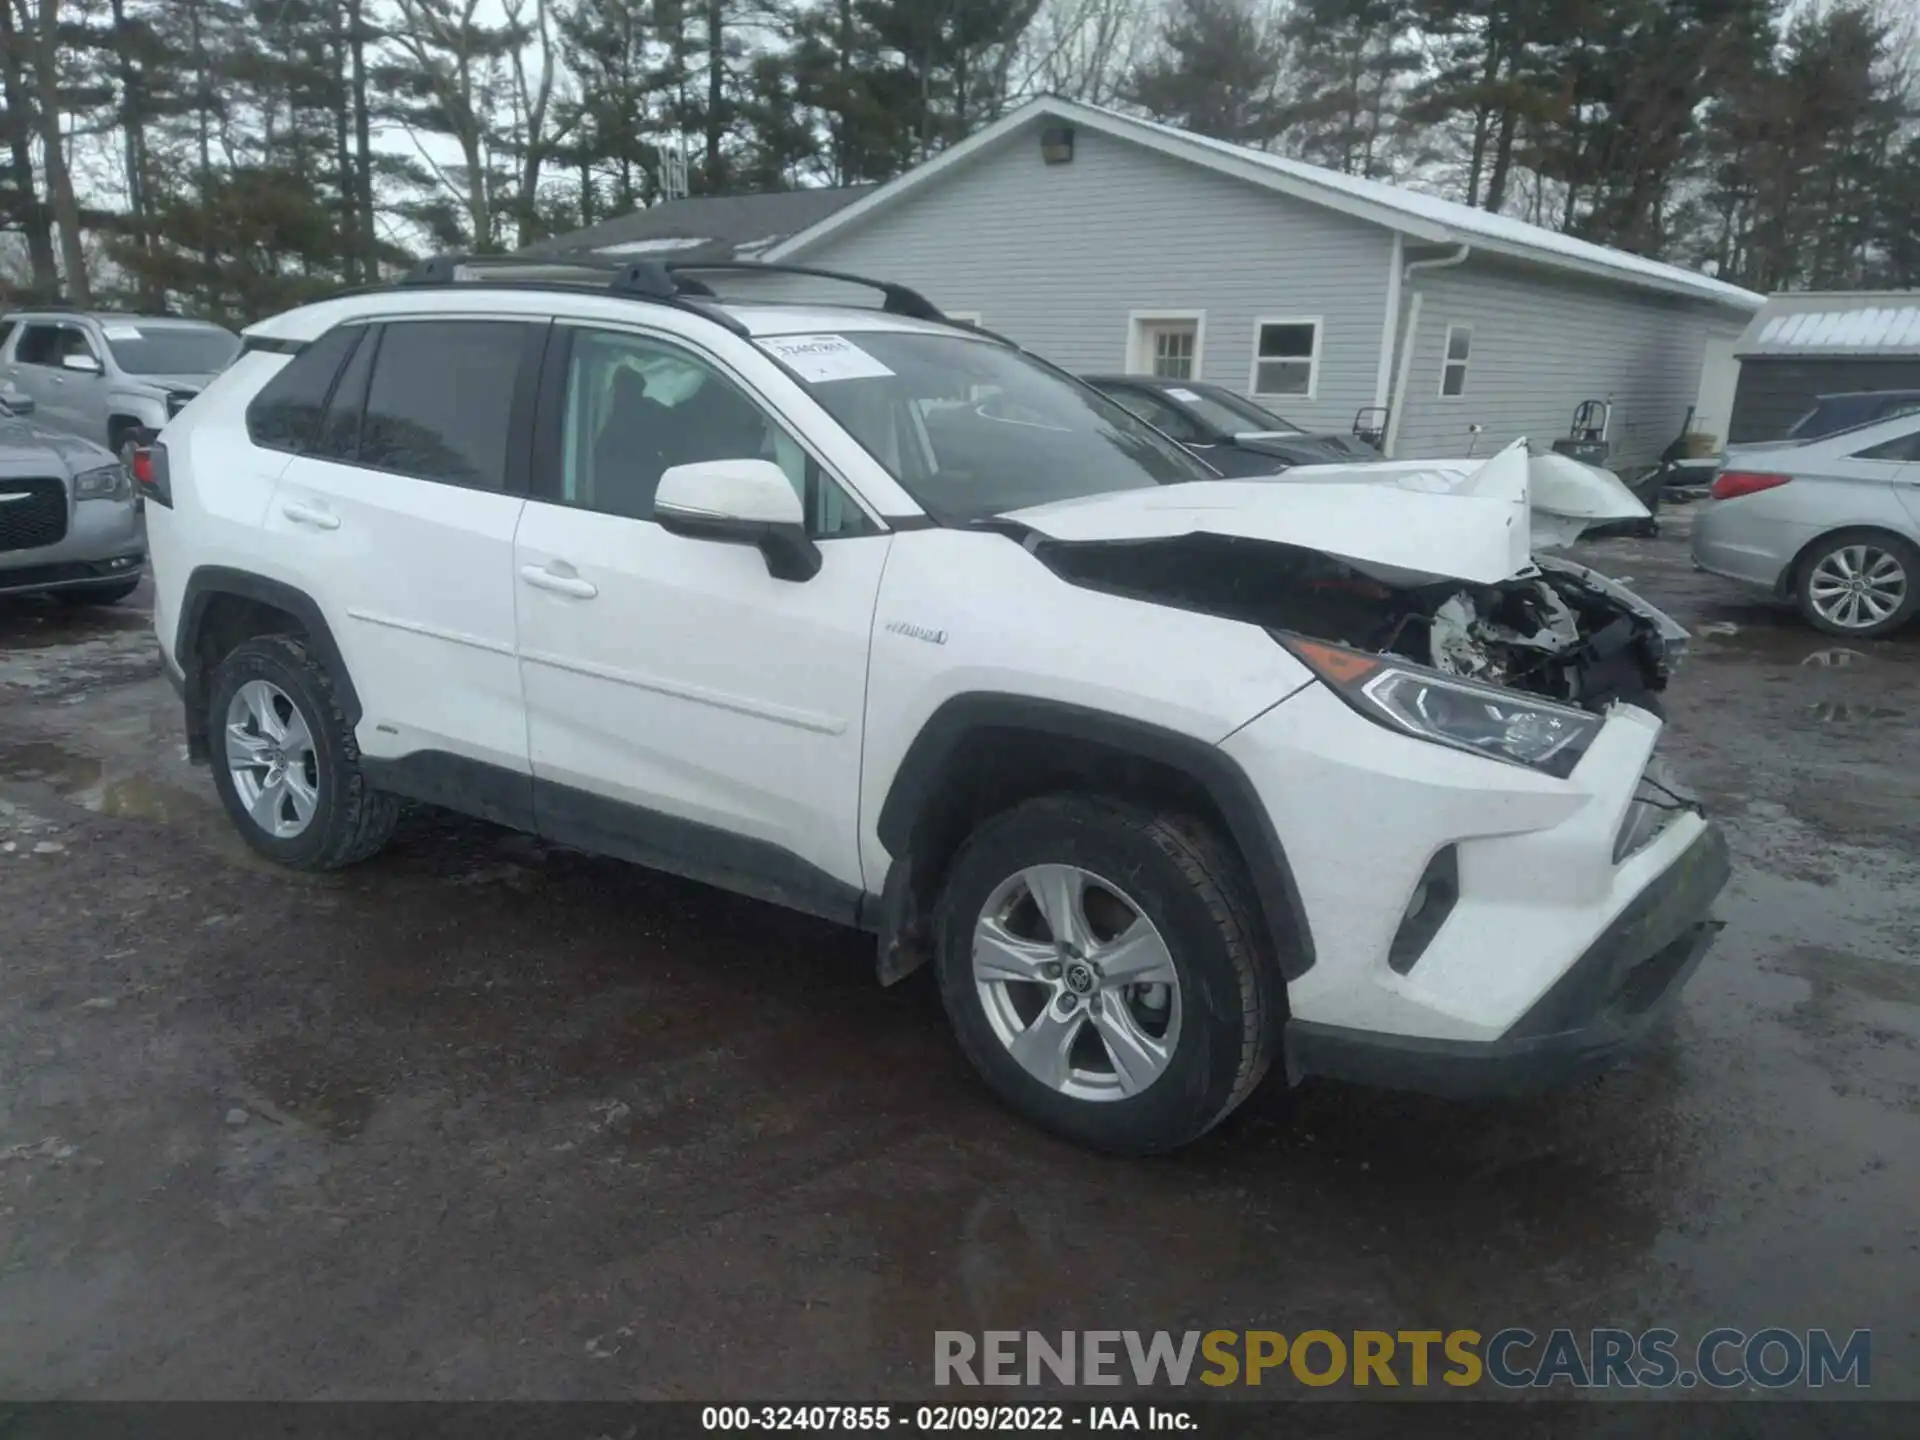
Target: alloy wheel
[271,759]
[1857,586]
[1077,983]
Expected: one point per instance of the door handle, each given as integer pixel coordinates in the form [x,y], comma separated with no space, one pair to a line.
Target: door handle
[542,578]
[310,515]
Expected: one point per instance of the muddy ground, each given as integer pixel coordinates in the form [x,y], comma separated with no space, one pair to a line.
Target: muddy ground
[482,1119]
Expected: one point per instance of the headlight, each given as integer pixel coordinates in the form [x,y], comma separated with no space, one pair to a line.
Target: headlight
[1500,724]
[108,482]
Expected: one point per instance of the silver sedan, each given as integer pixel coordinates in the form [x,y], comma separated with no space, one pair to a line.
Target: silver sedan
[1832,524]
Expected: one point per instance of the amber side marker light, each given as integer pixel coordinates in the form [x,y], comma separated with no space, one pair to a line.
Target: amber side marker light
[1334,663]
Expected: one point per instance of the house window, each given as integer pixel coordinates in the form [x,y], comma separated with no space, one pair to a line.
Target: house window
[1286,357]
[1453,370]
[1173,352]
[1166,346]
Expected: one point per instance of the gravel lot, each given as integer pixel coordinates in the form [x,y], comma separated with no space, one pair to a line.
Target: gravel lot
[483,1119]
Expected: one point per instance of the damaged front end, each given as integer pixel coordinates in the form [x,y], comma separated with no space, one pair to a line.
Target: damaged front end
[1556,630]
[1555,634]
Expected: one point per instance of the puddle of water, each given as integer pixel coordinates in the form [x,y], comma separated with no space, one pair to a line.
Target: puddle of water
[90,784]
[1796,646]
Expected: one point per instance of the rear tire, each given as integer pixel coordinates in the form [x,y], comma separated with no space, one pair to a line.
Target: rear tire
[1887,570]
[1150,1065]
[277,733]
[109,594]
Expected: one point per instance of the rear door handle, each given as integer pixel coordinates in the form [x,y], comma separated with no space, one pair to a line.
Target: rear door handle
[312,515]
[542,578]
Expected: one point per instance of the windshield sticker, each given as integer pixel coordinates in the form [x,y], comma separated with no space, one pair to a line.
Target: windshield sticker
[120,332]
[824,358]
[1186,395]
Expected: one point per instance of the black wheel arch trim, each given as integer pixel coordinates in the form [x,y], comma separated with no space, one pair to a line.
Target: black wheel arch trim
[923,770]
[209,582]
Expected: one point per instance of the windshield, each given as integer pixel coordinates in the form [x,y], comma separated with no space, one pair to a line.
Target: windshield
[170,349]
[1233,414]
[971,428]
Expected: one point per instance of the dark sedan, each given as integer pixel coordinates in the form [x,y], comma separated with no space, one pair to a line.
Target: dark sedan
[1230,432]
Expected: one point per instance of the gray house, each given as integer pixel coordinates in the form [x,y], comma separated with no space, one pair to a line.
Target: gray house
[1109,243]
[1811,343]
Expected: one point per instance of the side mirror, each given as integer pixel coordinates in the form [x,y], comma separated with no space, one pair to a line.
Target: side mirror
[16,403]
[739,502]
[85,364]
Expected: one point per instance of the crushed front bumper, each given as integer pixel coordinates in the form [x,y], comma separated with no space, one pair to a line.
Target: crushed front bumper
[1624,983]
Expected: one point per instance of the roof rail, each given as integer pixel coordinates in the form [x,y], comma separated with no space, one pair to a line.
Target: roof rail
[646,280]
[899,299]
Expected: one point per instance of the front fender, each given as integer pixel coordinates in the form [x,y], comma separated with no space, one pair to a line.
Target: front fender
[149,410]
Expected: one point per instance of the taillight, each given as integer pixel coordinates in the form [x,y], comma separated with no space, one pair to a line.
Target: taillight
[150,475]
[1732,484]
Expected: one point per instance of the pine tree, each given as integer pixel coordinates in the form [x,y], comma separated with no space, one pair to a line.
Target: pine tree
[1217,73]
[1350,62]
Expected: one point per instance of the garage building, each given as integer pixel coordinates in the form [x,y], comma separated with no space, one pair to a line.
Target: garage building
[1813,343]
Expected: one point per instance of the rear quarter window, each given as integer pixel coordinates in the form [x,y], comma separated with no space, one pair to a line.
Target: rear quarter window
[286,413]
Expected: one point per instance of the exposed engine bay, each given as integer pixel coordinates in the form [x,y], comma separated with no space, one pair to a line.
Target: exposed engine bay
[1554,630]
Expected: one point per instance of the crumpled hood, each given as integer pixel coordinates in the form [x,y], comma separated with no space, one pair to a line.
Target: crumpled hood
[1400,521]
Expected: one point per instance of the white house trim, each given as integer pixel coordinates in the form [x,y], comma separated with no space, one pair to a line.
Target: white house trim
[1447,362]
[1390,323]
[1409,213]
[1260,322]
[1139,361]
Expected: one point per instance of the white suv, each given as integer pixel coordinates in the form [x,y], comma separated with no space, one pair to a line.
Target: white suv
[880,618]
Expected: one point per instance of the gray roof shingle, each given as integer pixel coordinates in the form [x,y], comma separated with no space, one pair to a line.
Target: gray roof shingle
[707,227]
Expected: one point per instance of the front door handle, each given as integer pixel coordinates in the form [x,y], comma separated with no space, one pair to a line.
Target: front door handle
[312,515]
[542,578]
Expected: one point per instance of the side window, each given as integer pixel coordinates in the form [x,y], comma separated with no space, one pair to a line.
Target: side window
[440,400]
[7,327]
[1453,369]
[1905,448]
[1286,357]
[284,415]
[636,407]
[74,341]
[338,434]
[39,345]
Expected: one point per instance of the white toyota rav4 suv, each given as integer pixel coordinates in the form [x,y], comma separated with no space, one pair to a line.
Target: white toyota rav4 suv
[881,618]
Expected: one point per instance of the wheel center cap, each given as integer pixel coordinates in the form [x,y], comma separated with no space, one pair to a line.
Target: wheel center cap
[1080,977]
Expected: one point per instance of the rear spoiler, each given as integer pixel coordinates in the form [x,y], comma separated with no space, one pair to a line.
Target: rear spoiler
[272,344]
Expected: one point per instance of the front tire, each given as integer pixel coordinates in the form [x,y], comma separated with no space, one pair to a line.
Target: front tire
[1102,970]
[286,763]
[1859,583]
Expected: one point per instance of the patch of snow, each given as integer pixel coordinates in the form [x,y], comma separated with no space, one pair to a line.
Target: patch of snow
[652,247]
